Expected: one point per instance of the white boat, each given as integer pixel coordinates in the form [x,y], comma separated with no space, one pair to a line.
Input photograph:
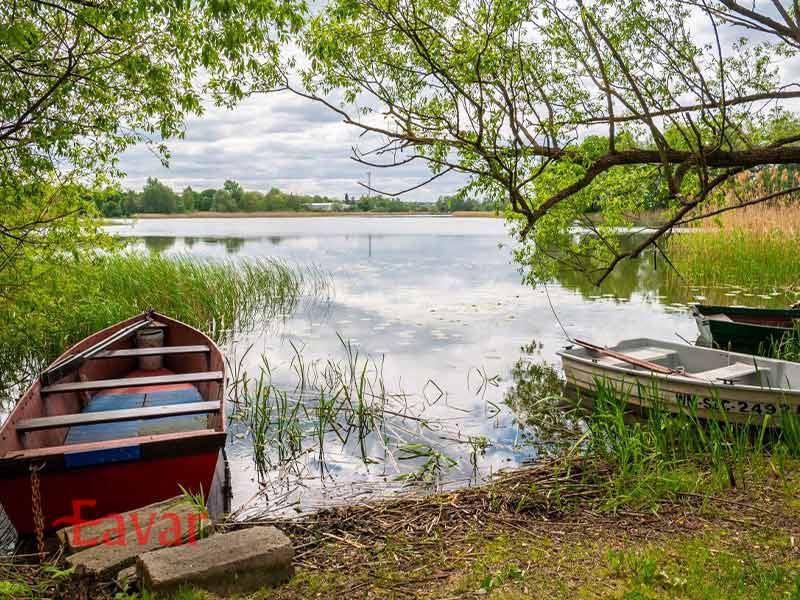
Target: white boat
[747,388]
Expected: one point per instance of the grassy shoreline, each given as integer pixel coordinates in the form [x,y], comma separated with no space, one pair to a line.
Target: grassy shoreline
[535,532]
[306,214]
[84,296]
[524,537]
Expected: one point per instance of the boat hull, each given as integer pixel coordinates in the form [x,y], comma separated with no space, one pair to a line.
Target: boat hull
[108,489]
[745,338]
[682,394]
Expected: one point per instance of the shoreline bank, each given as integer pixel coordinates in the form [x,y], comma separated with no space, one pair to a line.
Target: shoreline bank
[544,531]
[304,214]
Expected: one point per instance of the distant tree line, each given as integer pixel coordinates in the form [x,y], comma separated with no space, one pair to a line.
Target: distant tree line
[157,197]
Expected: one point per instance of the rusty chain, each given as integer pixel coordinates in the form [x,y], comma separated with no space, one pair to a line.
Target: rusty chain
[36,506]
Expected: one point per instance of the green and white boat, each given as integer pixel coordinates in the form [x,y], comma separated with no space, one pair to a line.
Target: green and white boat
[740,329]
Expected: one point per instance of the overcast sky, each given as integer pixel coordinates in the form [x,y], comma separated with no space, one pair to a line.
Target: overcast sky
[275,140]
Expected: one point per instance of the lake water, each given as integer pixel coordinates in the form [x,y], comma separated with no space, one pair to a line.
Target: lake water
[439,306]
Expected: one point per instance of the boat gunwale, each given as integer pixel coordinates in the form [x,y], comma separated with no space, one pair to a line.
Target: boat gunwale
[705,312]
[745,324]
[705,309]
[46,452]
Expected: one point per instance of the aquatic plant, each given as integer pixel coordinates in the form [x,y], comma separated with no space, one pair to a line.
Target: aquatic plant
[343,406]
[536,397]
[758,254]
[435,462]
[342,401]
[82,297]
[478,445]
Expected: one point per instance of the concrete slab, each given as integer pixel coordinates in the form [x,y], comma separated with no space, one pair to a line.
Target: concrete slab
[106,546]
[240,562]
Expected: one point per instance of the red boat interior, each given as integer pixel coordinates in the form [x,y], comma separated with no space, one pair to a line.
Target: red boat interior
[122,392]
[127,417]
[134,398]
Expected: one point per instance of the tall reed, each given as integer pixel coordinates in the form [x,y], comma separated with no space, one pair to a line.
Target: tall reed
[753,245]
[343,406]
[84,296]
[737,257]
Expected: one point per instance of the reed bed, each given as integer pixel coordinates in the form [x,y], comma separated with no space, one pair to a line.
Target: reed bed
[759,218]
[781,212]
[752,260]
[81,297]
[753,245]
[340,406]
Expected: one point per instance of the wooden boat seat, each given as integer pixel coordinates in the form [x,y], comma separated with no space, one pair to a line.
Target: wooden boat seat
[103,384]
[650,354]
[138,398]
[111,416]
[150,410]
[733,372]
[154,351]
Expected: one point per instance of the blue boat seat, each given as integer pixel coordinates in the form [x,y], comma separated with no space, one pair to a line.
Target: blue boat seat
[173,424]
[101,432]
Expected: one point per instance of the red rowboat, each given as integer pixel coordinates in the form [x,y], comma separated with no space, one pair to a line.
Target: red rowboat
[123,419]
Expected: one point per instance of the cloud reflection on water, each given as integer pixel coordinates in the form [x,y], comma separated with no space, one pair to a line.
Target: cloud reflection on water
[438,297]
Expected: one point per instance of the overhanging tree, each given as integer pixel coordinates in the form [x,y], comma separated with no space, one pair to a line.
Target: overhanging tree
[560,106]
[81,80]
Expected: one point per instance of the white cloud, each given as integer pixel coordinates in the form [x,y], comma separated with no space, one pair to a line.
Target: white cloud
[277,140]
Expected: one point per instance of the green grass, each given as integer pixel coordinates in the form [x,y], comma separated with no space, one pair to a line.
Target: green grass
[80,297]
[787,348]
[719,557]
[715,562]
[704,568]
[31,581]
[663,455]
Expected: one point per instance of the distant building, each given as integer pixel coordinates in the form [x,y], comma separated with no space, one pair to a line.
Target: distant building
[320,206]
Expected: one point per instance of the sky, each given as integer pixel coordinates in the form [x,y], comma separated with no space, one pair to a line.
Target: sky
[275,140]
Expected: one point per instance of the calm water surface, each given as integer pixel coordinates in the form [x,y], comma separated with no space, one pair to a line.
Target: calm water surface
[440,303]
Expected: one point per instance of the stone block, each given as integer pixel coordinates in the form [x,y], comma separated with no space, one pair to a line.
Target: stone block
[240,562]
